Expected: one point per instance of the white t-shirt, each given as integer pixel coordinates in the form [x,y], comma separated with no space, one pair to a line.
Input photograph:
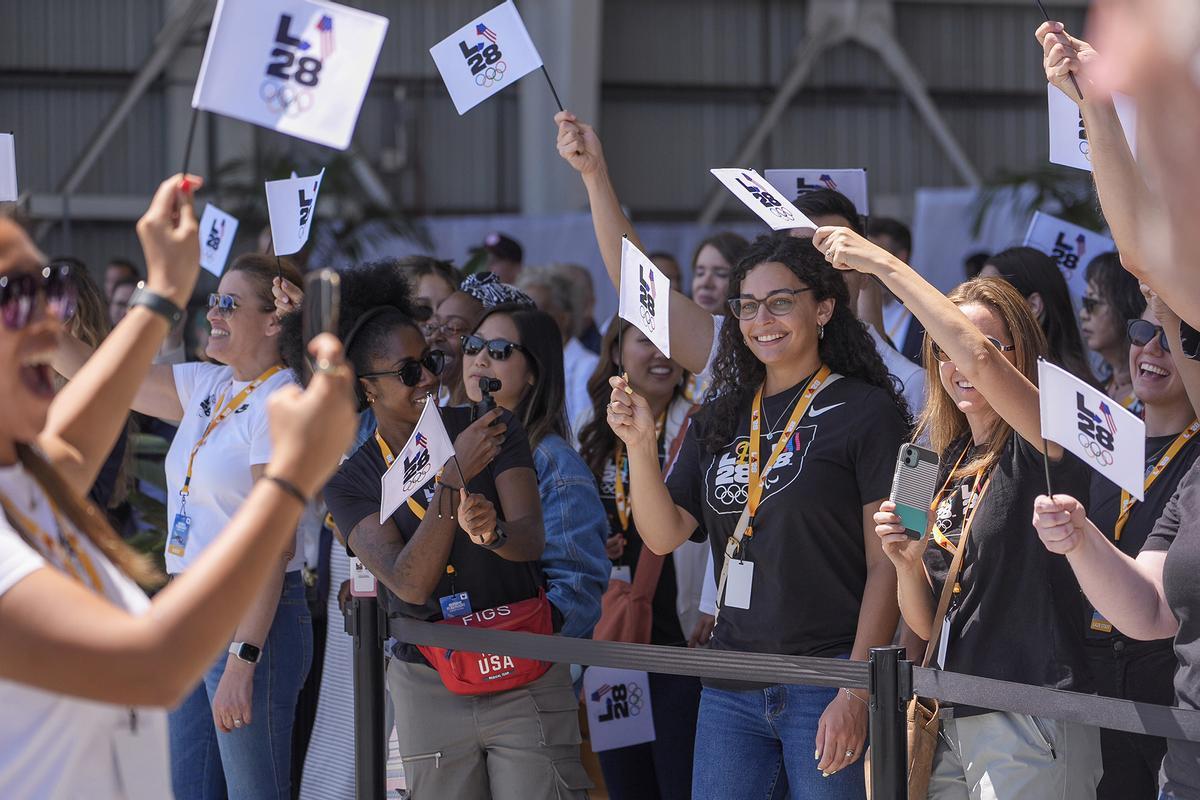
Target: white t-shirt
[221,478]
[53,745]
[578,365]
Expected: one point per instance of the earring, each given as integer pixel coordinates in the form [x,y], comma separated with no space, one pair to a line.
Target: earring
[820,331]
[370,400]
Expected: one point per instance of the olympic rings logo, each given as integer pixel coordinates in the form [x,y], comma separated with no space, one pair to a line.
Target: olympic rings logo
[634,698]
[647,317]
[491,75]
[282,98]
[731,493]
[1103,456]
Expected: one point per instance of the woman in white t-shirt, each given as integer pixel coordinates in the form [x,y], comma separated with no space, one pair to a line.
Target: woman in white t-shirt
[83,649]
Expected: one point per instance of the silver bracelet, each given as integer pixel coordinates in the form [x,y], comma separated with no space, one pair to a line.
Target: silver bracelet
[856,697]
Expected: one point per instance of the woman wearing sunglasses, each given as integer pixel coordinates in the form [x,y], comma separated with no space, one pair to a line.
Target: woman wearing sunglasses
[790,458]
[82,644]
[1014,611]
[449,552]
[1112,299]
[522,349]
[235,729]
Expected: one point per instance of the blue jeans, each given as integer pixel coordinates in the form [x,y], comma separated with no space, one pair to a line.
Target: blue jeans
[254,762]
[758,745]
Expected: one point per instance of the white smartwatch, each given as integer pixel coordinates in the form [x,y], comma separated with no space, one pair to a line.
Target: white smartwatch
[245,651]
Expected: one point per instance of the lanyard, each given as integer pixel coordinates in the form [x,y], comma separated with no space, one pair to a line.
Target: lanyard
[65,547]
[221,416]
[757,477]
[969,504]
[898,324]
[388,458]
[623,502]
[1128,501]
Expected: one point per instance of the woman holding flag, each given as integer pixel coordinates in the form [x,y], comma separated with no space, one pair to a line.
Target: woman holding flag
[978,588]
[789,459]
[503,728]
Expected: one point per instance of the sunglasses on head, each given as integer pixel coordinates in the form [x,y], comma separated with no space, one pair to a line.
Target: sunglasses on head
[778,302]
[409,372]
[19,295]
[1141,332]
[226,304]
[498,349]
[941,356]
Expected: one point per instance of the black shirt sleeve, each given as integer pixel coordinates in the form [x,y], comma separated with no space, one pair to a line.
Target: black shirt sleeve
[514,450]
[353,493]
[685,482]
[874,444]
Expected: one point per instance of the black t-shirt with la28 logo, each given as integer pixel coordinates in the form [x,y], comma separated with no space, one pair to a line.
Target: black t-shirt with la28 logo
[810,565]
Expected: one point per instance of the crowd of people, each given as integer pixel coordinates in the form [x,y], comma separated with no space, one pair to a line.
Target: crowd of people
[733,496]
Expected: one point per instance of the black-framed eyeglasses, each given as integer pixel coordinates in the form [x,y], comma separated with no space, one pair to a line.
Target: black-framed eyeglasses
[941,356]
[1141,332]
[409,372]
[453,327]
[1090,304]
[779,302]
[19,295]
[499,349]
[226,304]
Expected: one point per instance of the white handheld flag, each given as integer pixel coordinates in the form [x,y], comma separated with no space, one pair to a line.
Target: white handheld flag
[217,230]
[300,67]
[618,708]
[795,183]
[8,167]
[484,56]
[427,451]
[645,296]
[1071,247]
[1086,422]
[763,199]
[1068,139]
[291,205]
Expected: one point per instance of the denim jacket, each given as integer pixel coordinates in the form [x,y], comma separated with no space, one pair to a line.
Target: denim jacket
[575,562]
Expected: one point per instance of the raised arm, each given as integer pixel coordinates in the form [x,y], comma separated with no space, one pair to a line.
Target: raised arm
[89,413]
[1009,392]
[155,396]
[61,637]
[692,328]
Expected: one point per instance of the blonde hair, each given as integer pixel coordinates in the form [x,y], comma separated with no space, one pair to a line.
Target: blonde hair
[942,421]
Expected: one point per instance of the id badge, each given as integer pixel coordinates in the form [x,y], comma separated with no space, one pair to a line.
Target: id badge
[738,583]
[455,605]
[621,573]
[180,529]
[362,582]
[944,643]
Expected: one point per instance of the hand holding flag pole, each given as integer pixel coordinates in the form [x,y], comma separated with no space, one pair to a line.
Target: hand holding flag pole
[1074,82]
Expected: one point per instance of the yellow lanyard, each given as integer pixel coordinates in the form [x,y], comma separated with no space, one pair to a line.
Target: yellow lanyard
[755,489]
[224,414]
[63,549]
[969,505]
[623,502]
[1128,501]
[388,458]
[898,324]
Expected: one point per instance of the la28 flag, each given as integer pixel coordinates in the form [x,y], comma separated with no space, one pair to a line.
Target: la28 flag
[795,183]
[484,56]
[426,452]
[645,296]
[1068,138]
[763,199]
[1071,247]
[217,230]
[291,205]
[1094,427]
[300,67]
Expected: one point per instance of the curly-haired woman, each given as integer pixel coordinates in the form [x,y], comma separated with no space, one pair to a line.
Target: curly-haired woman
[799,440]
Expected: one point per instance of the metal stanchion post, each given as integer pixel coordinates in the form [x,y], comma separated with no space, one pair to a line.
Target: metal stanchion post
[370,755]
[891,686]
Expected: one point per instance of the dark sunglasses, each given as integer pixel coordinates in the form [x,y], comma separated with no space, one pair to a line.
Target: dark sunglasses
[941,356]
[1090,304]
[410,371]
[226,304]
[19,295]
[778,302]
[1141,332]
[499,349]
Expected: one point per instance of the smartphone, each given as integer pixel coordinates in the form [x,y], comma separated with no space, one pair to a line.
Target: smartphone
[321,309]
[486,401]
[913,488]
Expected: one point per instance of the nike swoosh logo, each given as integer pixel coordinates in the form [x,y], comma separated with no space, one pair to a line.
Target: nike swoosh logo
[816,412]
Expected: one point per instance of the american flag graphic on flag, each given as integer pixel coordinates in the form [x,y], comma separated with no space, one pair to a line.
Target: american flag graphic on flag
[1108,418]
[325,26]
[485,32]
[421,440]
[829,182]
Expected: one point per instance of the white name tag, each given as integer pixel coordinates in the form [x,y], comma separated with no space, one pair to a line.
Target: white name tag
[362,582]
[624,573]
[943,643]
[737,585]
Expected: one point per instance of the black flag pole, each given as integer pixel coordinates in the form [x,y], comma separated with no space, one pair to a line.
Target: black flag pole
[187,148]
[1046,466]
[1071,75]
[553,91]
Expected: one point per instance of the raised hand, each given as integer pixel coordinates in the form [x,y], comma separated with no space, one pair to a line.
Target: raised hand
[1063,56]
[1060,522]
[904,552]
[578,144]
[629,415]
[477,517]
[476,446]
[169,233]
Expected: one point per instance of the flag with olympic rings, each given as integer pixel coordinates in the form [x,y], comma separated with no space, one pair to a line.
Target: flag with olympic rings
[484,56]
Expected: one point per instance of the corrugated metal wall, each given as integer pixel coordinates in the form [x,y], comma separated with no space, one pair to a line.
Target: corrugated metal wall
[683,82]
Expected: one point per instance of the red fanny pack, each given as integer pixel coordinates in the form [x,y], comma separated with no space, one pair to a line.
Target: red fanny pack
[484,673]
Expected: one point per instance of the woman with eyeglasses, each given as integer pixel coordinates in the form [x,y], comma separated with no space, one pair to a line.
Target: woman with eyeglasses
[789,458]
[1014,611]
[83,647]
[235,729]
[520,349]
[1112,299]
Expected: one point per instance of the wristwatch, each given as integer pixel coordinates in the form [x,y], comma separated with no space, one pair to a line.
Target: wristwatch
[500,540]
[245,651]
[157,303]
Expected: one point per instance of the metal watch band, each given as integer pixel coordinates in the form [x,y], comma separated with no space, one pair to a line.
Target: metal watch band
[156,303]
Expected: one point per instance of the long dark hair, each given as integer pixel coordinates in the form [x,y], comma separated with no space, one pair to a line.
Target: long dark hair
[1032,271]
[846,347]
[1117,287]
[543,406]
[597,442]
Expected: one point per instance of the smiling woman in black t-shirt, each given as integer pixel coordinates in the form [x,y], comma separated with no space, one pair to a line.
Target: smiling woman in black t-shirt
[800,390]
[1014,612]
